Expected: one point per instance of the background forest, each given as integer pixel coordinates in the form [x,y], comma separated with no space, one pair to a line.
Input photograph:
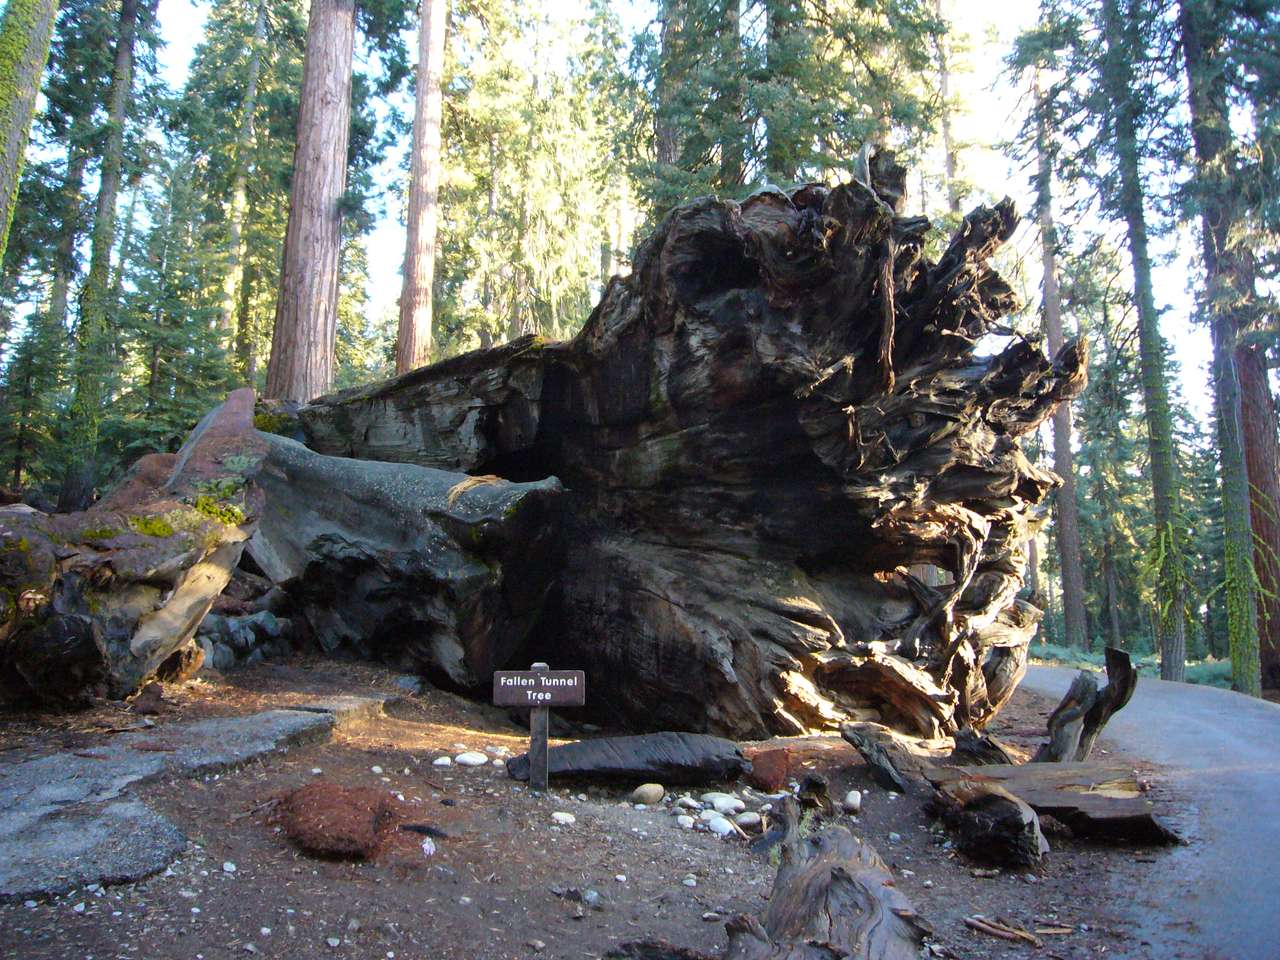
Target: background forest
[144,270]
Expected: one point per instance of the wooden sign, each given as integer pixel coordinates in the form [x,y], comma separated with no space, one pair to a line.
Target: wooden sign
[539,688]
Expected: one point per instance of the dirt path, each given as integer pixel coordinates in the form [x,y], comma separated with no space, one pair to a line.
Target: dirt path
[1221,751]
[504,881]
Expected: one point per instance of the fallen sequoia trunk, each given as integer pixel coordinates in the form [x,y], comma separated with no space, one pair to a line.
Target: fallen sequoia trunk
[433,571]
[754,437]
[833,898]
[759,431]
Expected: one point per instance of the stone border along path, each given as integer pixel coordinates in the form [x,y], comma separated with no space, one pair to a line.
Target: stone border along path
[68,820]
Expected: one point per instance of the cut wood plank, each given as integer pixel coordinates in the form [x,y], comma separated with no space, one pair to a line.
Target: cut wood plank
[1094,800]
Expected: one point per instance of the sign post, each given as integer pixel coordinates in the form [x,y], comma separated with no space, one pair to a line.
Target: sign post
[539,689]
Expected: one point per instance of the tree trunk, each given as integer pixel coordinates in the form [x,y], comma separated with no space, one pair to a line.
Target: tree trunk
[93,337]
[246,353]
[306,325]
[733,134]
[1262,465]
[414,342]
[1067,529]
[666,136]
[69,232]
[1169,546]
[944,92]
[1113,597]
[24,49]
[239,180]
[1229,295]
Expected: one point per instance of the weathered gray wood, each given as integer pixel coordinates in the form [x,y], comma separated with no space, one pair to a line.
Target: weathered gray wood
[433,571]
[1078,719]
[539,730]
[833,899]
[692,758]
[991,824]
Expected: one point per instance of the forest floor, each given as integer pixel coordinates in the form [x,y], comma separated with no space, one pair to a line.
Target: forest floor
[504,880]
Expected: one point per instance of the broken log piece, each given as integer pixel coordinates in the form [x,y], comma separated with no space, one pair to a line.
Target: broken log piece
[94,604]
[833,897]
[981,749]
[673,758]
[992,825]
[435,572]
[1078,719]
[883,769]
[748,483]
[1094,800]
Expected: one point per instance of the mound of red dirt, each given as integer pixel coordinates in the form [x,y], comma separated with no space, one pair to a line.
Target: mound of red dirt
[333,821]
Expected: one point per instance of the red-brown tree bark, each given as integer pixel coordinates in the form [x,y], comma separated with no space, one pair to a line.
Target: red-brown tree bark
[415,338]
[302,344]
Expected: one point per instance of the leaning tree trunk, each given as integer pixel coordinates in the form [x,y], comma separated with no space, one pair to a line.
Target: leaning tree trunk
[760,429]
[24,48]
[302,344]
[414,341]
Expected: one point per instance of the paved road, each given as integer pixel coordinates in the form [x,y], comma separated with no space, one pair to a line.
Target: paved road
[1219,897]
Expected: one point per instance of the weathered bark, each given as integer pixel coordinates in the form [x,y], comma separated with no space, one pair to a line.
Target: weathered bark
[1231,299]
[1262,467]
[1067,528]
[95,603]
[92,338]
[24,49]
[1170,539]
[302,343]
[240,176]
[747,489]
[832,897]
[413,343]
